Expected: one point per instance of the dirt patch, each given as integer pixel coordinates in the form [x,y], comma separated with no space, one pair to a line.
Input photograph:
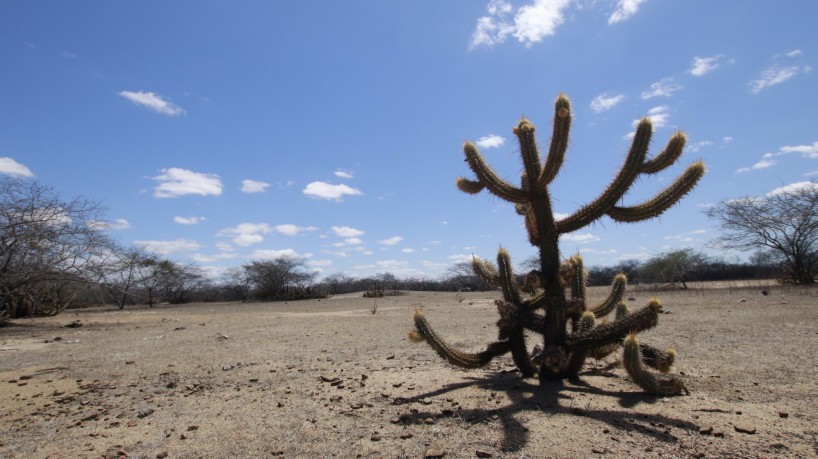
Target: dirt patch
[329,378]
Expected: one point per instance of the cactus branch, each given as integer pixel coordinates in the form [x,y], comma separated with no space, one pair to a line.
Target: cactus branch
[651,383]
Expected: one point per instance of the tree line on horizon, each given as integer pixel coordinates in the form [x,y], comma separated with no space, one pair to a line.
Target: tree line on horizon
[54,254]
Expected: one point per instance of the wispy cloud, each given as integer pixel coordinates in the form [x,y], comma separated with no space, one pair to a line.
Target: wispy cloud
[794,188]
[806,151]
[324,190]
[391,241]
[685,237]
[246,234]
[188,220]
[407,250]
[704,65]
[624,10]
[490,141]
[175,182]
[697,146]
[662,88]
[773,76]
[604,102]
[346,231]
[11,167]
[153,101]
[253,186]
[289,229]
[118,224]
[272,254]
[794,53]
[169,247]
[530,24]
[580,238]
[343,174]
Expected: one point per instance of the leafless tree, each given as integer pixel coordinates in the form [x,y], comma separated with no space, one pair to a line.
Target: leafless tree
[785,222]
[121,270]
[47,246]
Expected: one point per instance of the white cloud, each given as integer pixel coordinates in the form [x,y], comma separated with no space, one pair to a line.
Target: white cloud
[726,139]
[346,231]
[343,174]
[807,151]
[292,230]
[685,237]
[580,238]
[775,75]
[794,53]
[153,102]
[704,65]
[118,224]
[11,167]
[490,141]
[624,10]
[188,220]
[322,262]
[329,191]
[168,247]
[253,186]
[353,241]
[605,102]
[460,258]
[534,22]
[794,188]
[407,250]
[246,234]
[223,246]
[662,88]
[272,254]
[658,117]
[697,146]
[391,241]
[531,23]
[175,182]
[202,258]
[245,240]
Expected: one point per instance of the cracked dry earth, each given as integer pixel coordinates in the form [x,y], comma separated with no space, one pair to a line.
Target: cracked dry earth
[330,379]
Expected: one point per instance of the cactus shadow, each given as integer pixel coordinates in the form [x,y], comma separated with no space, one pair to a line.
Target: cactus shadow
[548,398]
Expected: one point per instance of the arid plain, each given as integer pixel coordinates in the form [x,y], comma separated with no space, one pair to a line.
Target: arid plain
[330,378]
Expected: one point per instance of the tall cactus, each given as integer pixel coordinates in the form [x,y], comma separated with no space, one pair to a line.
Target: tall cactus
[557,309]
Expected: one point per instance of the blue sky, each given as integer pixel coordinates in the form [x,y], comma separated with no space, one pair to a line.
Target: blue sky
[224,132]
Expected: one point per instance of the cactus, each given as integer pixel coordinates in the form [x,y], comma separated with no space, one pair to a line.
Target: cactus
[552,301]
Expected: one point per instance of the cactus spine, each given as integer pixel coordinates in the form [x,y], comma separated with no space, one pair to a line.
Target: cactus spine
[571,330]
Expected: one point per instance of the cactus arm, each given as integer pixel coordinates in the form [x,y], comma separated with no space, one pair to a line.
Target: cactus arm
[668,156]
[559,140]
[651,383]
[662,201]
[424,332]
[614,298]
[577,358]
[657,358]
[511,291]
[528,149]
[485,271]
[489,179]
[615,331]
[469,186]
[618,187]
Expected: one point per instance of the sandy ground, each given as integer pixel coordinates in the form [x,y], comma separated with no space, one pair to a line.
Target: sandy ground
[331,379]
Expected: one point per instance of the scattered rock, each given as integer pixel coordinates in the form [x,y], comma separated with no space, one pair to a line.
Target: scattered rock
[227,367]
[219,336]
[162,455]
[598,450]
[178,328]
[783,414]
[390,357]
[743,428]
[74,324]
[706,430]
[375,437]
[406,436]
[481,453]
[433,452]
[145,413]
